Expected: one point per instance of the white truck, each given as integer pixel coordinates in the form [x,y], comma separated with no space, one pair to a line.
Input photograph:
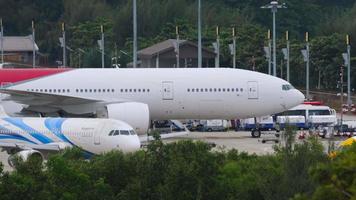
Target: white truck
[214,125]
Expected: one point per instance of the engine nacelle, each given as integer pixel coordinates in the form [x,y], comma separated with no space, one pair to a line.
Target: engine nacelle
[135,114]
[24,155]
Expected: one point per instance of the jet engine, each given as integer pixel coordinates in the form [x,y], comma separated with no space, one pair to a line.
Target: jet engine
[135,114]
[24,155]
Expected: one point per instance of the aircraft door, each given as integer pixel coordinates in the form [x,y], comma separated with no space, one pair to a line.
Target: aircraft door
[96,138]
[252,89]
[167,90]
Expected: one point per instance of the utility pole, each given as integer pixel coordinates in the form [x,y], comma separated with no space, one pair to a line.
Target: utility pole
[64,45]
[33,45]
[134,34]
[2,41]
[288,55]
[177,47]
[102,48]
[200,59]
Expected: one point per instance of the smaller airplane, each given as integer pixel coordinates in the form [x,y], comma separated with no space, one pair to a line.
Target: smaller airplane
[27,137]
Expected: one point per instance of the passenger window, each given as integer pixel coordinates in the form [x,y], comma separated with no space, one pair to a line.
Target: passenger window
[112,90]
[241,90]
[124,132]
[143,90]
[63,90]
[130,90]
[139,90]
[210,89]
[68,90]
[219,89]
[148,90]
[134,90]
[193,90]
[94,90]
[228,89]
[223,89]
[122,90]
[99,90]
[201,90]
[188,90]
[232,90]
[214,89]
[206,89]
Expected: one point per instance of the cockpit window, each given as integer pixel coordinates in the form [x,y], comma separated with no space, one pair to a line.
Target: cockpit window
[124,132]
[287,87]
[132,132]
[112,133]
[117,132]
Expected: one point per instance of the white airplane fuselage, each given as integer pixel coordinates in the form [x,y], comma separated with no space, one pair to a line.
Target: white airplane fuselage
[92,135]
[189,93]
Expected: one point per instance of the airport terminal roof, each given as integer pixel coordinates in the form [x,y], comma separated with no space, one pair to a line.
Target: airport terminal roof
[167,45]
[18,43]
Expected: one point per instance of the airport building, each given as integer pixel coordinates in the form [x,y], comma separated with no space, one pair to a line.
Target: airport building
[19,50]
[164,55]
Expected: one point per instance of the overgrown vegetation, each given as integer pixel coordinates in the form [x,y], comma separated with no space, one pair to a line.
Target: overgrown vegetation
[327,21]
[187,170]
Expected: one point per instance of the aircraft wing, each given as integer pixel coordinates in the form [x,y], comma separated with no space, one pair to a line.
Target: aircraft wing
[44,102]
[10,147]
[43,99]
[145,139]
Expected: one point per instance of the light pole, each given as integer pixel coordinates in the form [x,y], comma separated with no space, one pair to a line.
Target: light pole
[217,48]
[268,51]
[33,45]
[288,55]
[134,34]
[306,56]
[349,101]
[177,46]
[199,36]
[233,48]
[2,41]
[64,45]
[102,47]
[273,5]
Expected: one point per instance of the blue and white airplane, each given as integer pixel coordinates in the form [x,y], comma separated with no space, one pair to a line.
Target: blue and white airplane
[26,137]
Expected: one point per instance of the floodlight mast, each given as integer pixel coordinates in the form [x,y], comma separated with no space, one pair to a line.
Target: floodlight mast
[134,7]
[274,6]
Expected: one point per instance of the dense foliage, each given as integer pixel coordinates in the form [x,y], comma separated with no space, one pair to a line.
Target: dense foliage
[327,21]
[187,170]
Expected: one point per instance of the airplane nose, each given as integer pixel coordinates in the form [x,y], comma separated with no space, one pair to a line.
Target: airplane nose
[134,144]
[300,97]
